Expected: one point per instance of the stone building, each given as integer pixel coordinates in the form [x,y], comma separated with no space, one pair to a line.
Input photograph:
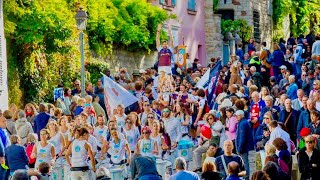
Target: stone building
[258,14]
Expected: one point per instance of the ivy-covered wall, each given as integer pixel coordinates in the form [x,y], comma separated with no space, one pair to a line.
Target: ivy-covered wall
[43,42]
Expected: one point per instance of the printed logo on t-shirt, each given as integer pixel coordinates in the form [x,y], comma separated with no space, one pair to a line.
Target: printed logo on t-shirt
[77,148]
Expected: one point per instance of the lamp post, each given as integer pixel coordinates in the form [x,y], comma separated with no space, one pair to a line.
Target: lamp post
[81,18]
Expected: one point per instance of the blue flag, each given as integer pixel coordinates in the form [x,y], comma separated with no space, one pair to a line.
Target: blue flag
[213,80]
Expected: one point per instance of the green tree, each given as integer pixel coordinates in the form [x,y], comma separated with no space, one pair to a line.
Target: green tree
[43,42]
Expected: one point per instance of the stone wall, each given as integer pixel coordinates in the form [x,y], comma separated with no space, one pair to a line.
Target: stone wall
[122,58]
[243,9]
[212,31]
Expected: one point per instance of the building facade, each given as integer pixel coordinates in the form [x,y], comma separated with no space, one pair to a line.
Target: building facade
[189,28]
[3,65]
[258,14]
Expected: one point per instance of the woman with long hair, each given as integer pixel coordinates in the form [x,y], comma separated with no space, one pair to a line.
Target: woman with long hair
[150,119]
[158,138]
[231,124]
[284,155]
[80,150]
[44,151]
[134,117]
[215,126]
[264,92]
[31,112]
[58,142]
[182,115]
[65,129]
[209,171]
[117,149]
[132,133]
[146,145]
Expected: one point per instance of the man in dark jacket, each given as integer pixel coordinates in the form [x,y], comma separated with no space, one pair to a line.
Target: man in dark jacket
[16,156]
[41,120]
[244,140]
[289,118]
[143,167]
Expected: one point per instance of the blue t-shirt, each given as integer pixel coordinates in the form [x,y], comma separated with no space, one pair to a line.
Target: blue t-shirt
[185,175]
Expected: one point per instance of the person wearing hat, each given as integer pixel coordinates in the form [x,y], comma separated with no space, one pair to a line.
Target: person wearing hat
[282,74]
[303,133]
[244,140]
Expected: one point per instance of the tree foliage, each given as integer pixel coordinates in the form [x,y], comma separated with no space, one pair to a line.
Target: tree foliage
[240,26]
[304,15]
[43,42]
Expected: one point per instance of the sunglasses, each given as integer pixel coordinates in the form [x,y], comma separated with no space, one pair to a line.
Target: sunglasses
[77,84]
[151,117]
[147,105]
[166,111]
[210,118]
[145,132]
[309,142]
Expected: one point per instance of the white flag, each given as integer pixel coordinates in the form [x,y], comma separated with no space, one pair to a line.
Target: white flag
[204,81]
[114,94]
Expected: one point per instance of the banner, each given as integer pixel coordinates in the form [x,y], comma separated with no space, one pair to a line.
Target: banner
[114,94]
[58,93]
[204,81]
[181,56]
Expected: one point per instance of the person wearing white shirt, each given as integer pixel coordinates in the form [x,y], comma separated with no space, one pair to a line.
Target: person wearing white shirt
[120,116]
[277,132]
[172,126]
[297,103]
[146,110]
[316,47]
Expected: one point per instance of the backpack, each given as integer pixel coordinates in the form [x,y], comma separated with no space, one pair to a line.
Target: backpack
[29,148]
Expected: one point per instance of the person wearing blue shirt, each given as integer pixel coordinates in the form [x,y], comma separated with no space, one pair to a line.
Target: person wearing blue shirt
[17,158]
[41,120]
[304,118]
[240,52]
[3,145]
[293,88]
[270,107]
[244,140]
[298,56]
[182,173]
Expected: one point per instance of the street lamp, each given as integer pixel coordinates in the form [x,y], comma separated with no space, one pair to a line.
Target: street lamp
[81,18]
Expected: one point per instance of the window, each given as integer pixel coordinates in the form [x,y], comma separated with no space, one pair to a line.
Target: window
[171,3]
[192,5]
[256,26]
[226,14]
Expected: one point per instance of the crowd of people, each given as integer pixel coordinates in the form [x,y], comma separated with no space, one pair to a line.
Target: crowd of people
[264,102]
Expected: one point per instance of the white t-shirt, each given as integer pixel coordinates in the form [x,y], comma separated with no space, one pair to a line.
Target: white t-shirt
[117,151]
[93,142]
[98,132]
[146,147]
[133,136]
[43,154]
[121,120]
